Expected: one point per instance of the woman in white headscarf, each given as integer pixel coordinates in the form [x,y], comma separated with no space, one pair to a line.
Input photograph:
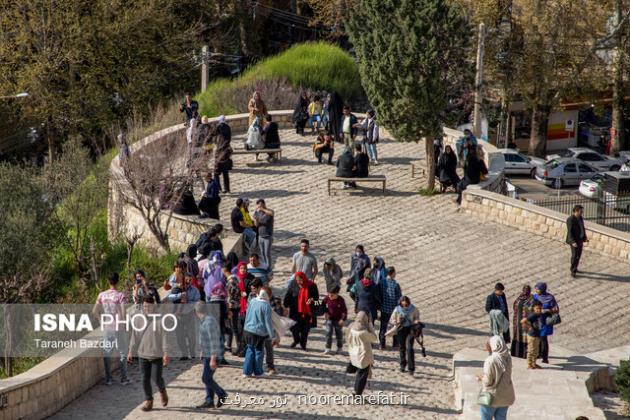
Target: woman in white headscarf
[497,392]
[360,337]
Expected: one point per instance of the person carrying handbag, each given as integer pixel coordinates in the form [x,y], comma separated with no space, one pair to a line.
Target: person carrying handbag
[359,337]
[497,389]
[406,320]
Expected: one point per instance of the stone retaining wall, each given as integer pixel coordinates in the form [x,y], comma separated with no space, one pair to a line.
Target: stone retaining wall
[49,386]
[489,206]
[182,230]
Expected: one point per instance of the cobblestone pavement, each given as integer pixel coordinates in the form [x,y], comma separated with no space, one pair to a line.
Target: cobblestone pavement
[447,263]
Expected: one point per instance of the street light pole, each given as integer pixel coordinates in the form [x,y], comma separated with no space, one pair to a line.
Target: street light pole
[479,82]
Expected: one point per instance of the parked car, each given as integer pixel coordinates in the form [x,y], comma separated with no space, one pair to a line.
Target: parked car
[563,172]
[519,164]
[590,187]
[626,166]
[590,156]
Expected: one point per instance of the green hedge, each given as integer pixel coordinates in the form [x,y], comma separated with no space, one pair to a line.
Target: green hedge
[317,66]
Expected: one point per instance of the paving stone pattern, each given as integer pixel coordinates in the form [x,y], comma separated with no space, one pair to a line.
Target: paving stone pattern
[447,262]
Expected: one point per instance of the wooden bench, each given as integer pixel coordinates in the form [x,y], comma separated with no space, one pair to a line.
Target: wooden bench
[276,152]
[415,170]
[375,178]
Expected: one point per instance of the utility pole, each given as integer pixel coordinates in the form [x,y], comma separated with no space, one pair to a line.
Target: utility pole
[479,82]
[617,129]
[204,67]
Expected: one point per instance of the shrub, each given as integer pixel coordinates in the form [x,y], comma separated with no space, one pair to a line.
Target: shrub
[314,66]
[622,380]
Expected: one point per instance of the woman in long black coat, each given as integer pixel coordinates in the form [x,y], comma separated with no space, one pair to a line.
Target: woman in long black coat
[300,113]
[447,168]
[335,117]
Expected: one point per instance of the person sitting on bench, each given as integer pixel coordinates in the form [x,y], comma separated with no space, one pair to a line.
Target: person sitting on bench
[345,166]
[271,137]
[361,162]
[324,144]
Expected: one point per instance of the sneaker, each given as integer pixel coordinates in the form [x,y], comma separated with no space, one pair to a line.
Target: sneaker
[259,376]
[221,401]
[109,382]
[345,187]
[125,381]
[294,344]
[339,351]
[376,162]
[271,371]
[402,369]
[382,347]
[326,351]
[411,372]
[205,404]
[246,376]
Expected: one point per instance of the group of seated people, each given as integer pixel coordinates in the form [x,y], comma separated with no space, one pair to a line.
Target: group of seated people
[353,166]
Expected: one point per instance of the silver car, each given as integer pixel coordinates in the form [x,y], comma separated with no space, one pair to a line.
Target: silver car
[591,157]
[563,172]
[519,164]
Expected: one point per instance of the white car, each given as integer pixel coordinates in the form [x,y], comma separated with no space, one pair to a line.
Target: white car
[519,164]
[590,187]
[590,156]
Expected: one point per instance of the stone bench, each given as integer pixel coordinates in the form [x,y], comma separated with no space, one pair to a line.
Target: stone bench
[375,178]
[276,152]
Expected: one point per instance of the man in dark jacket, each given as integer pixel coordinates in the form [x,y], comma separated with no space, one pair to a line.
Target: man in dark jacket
[345,166]
[190,107]
[361,162]
[576,236]
[497,300]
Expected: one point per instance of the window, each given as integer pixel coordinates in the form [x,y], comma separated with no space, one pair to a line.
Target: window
[586,168]
[570,168]
[518,158]
[566,153]
[590,157]
[508,157]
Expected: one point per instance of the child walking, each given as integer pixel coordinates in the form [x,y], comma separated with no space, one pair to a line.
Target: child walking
[336,315]
[533,323]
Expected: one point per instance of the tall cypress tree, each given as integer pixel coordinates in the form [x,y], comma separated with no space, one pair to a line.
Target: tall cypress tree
[412,60]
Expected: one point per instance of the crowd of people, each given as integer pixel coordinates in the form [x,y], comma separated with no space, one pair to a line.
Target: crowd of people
[534,316]
[225,303]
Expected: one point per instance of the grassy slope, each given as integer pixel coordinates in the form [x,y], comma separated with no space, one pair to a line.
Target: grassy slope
[317,66]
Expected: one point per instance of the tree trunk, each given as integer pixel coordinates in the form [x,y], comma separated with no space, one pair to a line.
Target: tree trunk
[617,134]
[430,152]
[538,136]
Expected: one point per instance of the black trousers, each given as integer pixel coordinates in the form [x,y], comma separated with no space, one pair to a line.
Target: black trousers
[300,331]
[240,350]
[544,349]
[151,368]
[226,179]
[234,331]
[407,353]
[360,380]
[461,186]
[576,254]
[326,149]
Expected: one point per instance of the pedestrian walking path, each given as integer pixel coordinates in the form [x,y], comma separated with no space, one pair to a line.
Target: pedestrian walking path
[446,261]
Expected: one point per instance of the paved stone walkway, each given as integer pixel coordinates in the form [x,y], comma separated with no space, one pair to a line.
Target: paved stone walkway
[447,263]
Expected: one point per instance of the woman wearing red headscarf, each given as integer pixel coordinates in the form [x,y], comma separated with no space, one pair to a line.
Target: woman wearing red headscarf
[301,296]
[244,285]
